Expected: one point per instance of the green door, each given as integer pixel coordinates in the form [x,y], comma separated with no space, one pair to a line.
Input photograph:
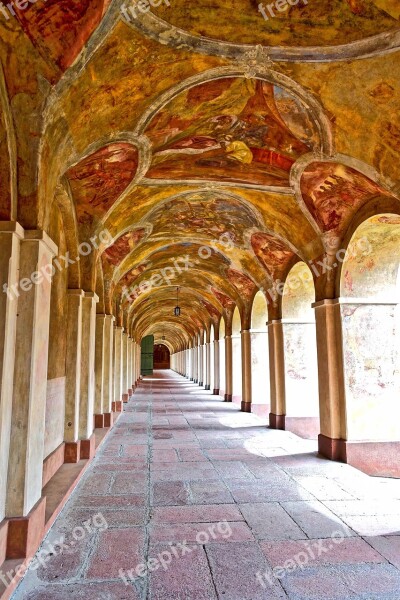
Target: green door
[147,354]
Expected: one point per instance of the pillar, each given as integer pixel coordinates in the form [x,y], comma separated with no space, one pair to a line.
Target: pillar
[11,235]
[73,375]
[246,370]
[124,367]
[201,364]
[228,369]
[117,403]
[99,371]
[216,368]
[195,364]
[29,391]
[207,379]
[108,379]
[331,441]
[86,406]
[130,366]
[277,374]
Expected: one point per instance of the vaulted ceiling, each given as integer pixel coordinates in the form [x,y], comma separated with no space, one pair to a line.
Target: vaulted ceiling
[201,136]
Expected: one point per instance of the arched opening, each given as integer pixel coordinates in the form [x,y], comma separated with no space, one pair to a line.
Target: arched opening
[236,357]
[369,306]
[301,367]
[161,357]
[222,371]
[260,357]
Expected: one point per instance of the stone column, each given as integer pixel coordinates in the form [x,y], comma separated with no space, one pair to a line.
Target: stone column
[138,361]
[108,383]
[246,371]
[11,235]
[86,407]
[228,369]
[117,403]
[73,376]
[277,374]
[196,364]
[29,391]
[99,371]
[130,367]
[124,367]
[216,368]
[331,441]
[207,380]
[201,364]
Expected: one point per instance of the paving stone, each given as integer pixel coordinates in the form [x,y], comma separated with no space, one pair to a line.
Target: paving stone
[315,519]
[116,549]
[269,521]
[235,568]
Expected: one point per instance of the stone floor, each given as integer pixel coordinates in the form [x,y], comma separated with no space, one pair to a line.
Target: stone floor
[190,499]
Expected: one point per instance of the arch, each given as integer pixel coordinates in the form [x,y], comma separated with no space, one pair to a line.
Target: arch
[300,349]
[161,356]
[369,308]
[260,381]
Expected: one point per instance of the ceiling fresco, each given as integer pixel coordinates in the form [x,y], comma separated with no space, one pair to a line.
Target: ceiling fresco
[327,22]
[238,130]
[217,146]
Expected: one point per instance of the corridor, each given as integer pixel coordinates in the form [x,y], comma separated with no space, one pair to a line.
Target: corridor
[190,499]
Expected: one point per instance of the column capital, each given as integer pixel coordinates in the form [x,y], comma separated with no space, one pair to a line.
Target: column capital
[75,292]
[38,235]
[91,295]
[12,227]
[327,302]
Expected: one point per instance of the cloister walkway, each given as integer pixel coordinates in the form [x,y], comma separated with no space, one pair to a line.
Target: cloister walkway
[217,506]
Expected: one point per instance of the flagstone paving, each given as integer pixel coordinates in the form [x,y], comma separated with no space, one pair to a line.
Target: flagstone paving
[190,499]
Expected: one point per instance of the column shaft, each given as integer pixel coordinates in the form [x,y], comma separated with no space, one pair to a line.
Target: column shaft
[216,368]
[228,369]
[11,235]
[246,371]
[277,375]
[331,380]
[30,377]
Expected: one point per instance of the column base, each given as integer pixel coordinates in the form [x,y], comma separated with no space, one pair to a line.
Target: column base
[200,384]
[125,398]
[207,387]
[191,379]
[72,452]
[334,449]
[3,540]
[195,381]
[228,398]
[216,392]
[26,533]
[245,407]
[99,421]
[88,447]
[130,392]
[117,406]
[276,421]
[108,419]
[52,463]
